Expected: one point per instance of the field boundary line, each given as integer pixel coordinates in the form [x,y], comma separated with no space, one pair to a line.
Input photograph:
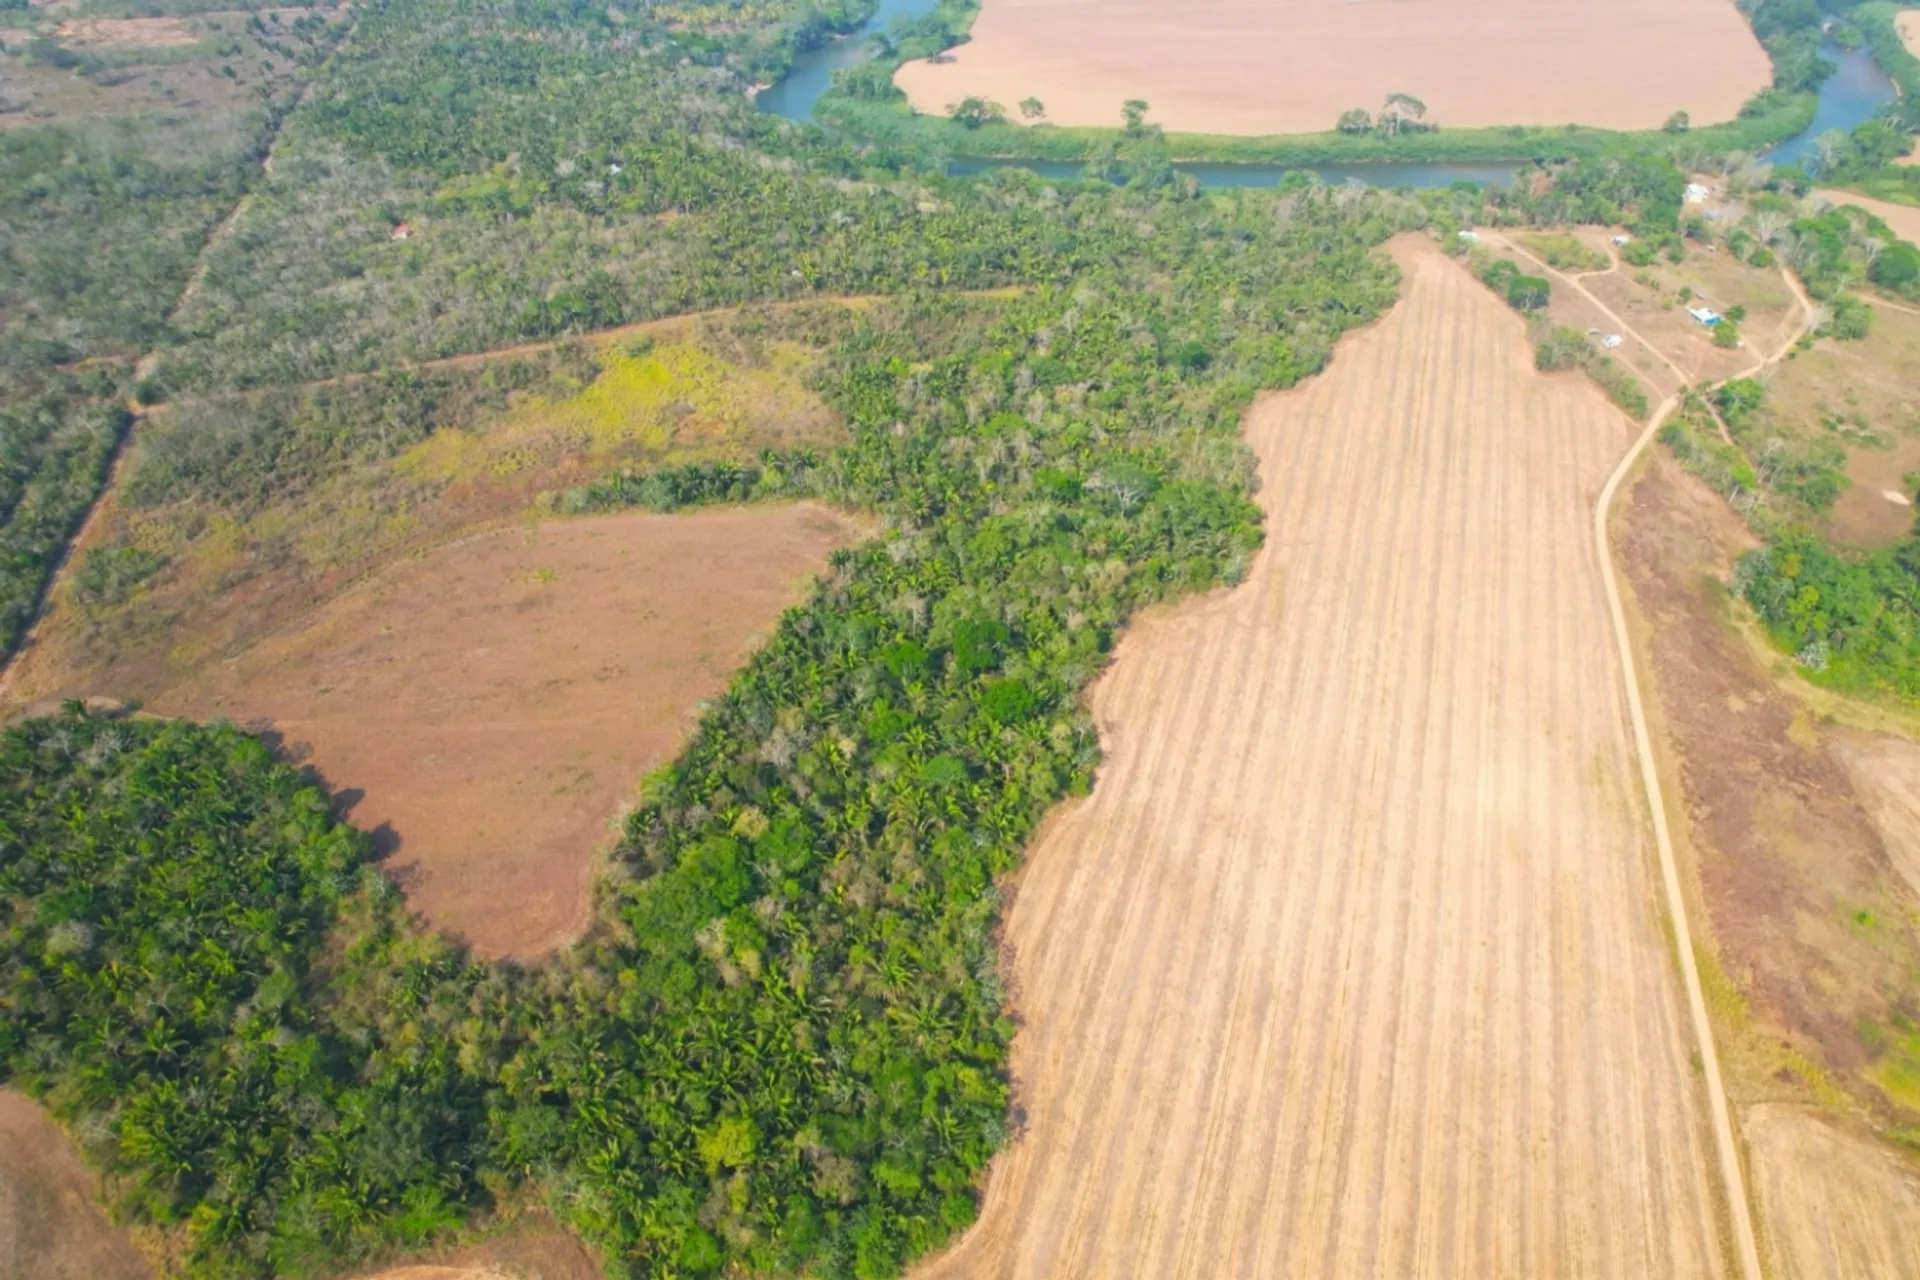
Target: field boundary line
[1732,1175]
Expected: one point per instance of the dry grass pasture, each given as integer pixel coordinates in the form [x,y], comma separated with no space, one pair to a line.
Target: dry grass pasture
[50,1226]
[487,709]
[1219,66]
[1351,964]
[1796,831]
[1868,394]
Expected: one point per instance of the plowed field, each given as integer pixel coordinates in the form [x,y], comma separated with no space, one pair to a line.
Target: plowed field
[1838,1207]
[1293,66]
[1351,964]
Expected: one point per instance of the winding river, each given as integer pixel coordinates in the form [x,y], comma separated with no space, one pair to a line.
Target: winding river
[1848,99]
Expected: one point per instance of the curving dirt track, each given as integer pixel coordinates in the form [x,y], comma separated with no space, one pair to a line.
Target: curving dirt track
[1351,964]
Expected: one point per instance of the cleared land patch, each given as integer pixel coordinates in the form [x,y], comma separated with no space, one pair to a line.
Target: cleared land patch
[1841,1207]
[1865,396]
[1216,66]
[488,707]
[50,1226]
[1808,920]
[1351,965]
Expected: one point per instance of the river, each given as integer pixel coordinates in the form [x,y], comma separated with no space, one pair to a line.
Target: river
[1848,99]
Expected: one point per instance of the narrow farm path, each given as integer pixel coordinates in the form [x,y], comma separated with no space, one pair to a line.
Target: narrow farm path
[1351,964]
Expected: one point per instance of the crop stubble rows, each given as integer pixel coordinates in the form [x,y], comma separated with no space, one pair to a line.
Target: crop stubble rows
[1351,963]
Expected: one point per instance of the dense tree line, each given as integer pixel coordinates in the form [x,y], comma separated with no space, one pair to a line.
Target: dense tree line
[783,1047]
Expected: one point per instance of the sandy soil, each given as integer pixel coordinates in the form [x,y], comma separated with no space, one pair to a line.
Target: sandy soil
[487,709]
[1351,965]
[1903,218]
[1226,66]
[1841,1207]
[1909,24]
[50,1226]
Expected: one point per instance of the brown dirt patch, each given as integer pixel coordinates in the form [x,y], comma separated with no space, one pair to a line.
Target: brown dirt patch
[536,1248]
[1811,928]
[1909,24]
[1223,66]
[1350,964]
[488,708]
[1886,774]
[1841,1206]
[51,1227]
[1903,218]
[152,33]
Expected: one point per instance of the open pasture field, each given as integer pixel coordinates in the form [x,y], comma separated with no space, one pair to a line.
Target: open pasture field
[1219,66]
[1904,219]
[1351,963]
[488,708]
[1867,394]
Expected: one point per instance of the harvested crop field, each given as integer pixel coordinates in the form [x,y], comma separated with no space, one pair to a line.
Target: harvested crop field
[50,1226]
[1217,66]
[1840,1207]
[488,709]
[1351,964]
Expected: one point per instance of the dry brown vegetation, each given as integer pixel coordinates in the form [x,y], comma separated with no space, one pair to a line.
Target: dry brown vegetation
[1225,67]
[485,709]
[247,548]
[50,1226]
[1807,924]
[1351,964]
[533,1248]
[1867,395]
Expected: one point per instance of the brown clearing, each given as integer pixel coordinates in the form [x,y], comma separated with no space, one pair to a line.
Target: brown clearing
[1351,964]
[488,708]
[1842,1207]
[533,1248]
[1809,924]
[50,1226]
[1224,66]
[1876,381]
[1903,218]
[1659,316]
[154,33]
[1909,24]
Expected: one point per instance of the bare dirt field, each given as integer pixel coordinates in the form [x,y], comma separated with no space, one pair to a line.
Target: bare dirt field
[1903,218]
[488,708]
[1841,1207]
[534,1249]
[1351,964]
[1909,24]
[50,1226]
[1224,66]
[1813,954]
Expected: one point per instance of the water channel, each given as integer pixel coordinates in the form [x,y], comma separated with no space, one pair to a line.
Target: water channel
[1848,99]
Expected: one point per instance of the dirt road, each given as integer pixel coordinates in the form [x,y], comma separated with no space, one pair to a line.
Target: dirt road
[1352,964]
